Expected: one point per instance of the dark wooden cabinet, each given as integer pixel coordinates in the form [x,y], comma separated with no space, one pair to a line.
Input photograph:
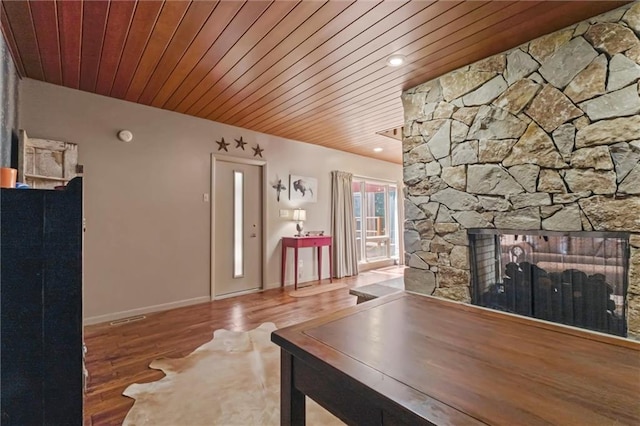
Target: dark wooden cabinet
[41,306]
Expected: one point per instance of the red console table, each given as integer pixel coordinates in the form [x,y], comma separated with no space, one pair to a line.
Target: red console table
[298,242]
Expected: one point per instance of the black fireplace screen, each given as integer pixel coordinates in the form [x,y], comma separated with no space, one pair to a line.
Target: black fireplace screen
[574,278]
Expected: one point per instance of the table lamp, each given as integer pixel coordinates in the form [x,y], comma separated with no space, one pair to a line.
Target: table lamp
[299,216]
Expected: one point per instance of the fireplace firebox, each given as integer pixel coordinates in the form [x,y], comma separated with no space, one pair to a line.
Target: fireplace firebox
[573,278]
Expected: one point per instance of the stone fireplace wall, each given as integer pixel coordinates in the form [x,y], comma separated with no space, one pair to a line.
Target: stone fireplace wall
[545,136]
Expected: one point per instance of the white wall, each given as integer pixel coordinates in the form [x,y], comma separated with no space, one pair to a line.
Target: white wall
[147,245]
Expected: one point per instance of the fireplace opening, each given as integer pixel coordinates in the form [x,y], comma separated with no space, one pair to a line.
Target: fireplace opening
[573,278]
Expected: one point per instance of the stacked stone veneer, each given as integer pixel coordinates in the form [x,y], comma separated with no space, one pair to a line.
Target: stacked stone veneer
[545,136]
[8,103]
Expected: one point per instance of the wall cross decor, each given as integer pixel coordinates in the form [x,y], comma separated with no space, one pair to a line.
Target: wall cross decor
[279,187]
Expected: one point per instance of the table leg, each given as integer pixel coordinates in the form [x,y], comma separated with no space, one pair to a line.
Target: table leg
[330,264]
[292,410]
[283,264]
[319,263]
[295,268]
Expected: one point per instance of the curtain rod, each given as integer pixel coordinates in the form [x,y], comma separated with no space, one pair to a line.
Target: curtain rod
[377,179]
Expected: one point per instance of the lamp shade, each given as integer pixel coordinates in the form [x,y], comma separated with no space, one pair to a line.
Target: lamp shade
[299,215]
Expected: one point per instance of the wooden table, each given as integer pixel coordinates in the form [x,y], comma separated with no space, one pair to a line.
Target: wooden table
[298,242]
[411,359]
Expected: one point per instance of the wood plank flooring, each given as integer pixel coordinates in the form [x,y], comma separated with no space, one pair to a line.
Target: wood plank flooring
[119,355]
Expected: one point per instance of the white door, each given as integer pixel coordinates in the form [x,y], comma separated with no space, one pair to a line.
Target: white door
[237,220]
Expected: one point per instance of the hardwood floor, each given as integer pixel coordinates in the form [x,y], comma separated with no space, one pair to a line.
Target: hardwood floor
[119,355]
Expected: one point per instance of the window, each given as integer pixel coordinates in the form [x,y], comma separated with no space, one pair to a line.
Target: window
[238,219]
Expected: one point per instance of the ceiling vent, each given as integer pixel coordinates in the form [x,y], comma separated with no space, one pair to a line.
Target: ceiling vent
[394,133]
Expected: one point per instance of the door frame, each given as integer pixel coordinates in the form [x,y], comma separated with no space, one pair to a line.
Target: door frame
[380,263]
[239,160]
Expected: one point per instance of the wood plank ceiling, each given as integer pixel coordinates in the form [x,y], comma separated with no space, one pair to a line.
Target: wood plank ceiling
[309,70]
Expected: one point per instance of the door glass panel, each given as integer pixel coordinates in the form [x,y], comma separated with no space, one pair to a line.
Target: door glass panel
[357,212]
[376,218]
[393,222]
[238,220]
[376,238]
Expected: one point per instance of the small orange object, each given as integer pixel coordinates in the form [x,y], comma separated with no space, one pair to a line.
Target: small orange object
[8,177]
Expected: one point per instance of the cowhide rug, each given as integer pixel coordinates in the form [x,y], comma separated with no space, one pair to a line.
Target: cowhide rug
[232,380]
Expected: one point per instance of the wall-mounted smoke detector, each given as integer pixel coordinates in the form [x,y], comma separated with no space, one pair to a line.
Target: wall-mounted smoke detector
[125,136]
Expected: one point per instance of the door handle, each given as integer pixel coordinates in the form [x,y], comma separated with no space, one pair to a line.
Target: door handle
[252,235]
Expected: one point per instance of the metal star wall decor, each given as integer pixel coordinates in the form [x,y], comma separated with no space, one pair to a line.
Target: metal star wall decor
[240,143]
[257,151]
[222,145]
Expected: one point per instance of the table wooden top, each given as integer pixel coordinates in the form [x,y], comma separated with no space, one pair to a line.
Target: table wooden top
[307,237]
[452,363]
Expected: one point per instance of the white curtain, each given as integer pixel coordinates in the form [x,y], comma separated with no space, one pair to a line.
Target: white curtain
[343,225]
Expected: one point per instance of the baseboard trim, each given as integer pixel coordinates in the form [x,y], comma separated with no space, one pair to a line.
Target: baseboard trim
[238,293]
[145,310]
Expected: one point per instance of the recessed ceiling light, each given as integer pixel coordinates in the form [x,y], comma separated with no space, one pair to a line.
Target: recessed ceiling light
[396,60]
[377,149]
